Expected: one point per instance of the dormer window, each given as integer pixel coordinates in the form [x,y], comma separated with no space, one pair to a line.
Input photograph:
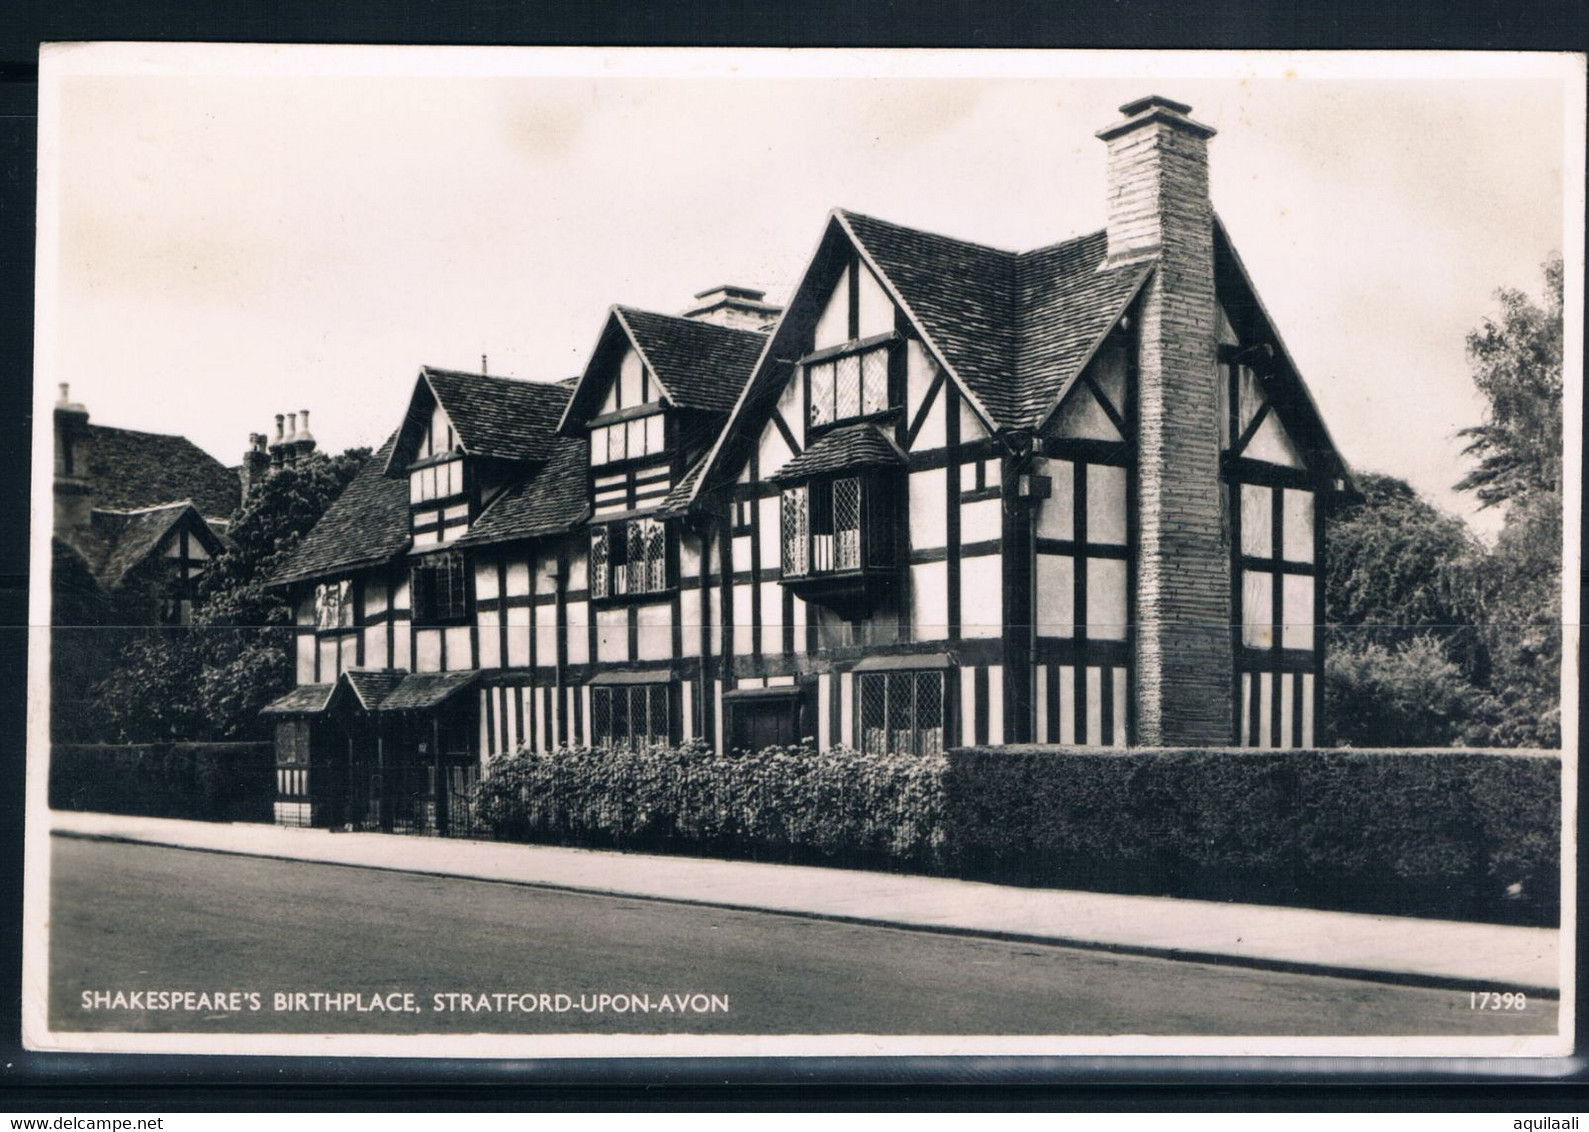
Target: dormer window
[631,439]
[438,494]
[850,381]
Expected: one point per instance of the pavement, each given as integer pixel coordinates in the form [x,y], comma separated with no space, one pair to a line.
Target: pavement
[1397,949]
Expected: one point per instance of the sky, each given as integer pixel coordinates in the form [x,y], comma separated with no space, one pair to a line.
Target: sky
[226,237]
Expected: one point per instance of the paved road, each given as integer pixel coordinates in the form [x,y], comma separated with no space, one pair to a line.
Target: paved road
[144,918]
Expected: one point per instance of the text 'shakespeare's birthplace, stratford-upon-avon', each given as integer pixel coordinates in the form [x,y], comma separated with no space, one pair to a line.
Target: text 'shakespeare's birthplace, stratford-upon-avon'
[947,495]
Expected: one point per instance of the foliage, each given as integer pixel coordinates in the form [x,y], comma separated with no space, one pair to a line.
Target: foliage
[781,802]
[1516,360]
[1517,365]
[1398,568]
[1432,833]
[1432,637]
[1454,833]
[1407,694]
[196,781]
[208,681]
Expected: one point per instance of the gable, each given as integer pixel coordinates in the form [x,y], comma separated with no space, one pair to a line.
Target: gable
[692,364]
[1298,432]
[494,417]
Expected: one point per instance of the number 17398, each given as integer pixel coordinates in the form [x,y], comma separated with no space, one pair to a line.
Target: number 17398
[1496,1000]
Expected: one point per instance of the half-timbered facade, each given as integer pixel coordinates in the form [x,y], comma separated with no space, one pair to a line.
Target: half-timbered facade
[949,494]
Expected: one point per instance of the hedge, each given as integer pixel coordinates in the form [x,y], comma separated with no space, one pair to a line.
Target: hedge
[198,781]
[1443,833]
[1456,834]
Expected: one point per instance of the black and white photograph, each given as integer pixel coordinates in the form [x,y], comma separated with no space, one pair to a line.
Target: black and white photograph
[568,553]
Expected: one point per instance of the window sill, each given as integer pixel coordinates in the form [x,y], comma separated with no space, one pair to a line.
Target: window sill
[815,432]
[613,601]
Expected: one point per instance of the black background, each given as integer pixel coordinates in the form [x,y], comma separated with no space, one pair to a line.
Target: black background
[52,1084]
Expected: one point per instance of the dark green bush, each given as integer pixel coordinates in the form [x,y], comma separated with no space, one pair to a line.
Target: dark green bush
[785,803]
[1448,833]
[197,781]
[1445,833]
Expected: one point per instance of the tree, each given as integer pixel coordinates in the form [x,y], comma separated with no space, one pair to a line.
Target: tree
[207,681]
[1406,663]
[1516,362]
[1517,365]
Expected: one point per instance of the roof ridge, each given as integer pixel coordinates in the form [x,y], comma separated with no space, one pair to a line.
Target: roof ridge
[175,503]
[506,379]
[995,249]
[712,326]
[1067,242]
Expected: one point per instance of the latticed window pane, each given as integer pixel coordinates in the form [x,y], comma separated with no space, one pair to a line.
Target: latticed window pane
[636,568]
[657,719]
[846,387]
[929,713]
[874,381]
[822,394]
[455,604]
[901,711]
[796,544]
[598,562]
[601,716]
[847,524]
[656,554]
[874,714]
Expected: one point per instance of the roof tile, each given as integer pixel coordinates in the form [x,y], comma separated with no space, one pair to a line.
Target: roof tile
[366,526]
[703,365]
[129,470]
[844,449]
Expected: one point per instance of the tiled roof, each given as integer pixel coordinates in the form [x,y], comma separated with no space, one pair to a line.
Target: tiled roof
[129,470]
[420,691]
[702,365]
[677,500]
[373,685]
[844,449]
[128,537]
[367,525]
[306,699]
[1066,306]
[499,416]
[548,500]
[1016,327]
[963,296]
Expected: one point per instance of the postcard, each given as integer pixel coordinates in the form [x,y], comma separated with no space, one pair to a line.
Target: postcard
[551,553]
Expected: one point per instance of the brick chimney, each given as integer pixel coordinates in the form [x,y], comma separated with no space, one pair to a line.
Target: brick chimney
[256,463]
[1159,210]
[742,308]
[74,493]
[305,439]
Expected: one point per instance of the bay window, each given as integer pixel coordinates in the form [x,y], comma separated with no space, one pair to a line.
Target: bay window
[822,527]
[629,558]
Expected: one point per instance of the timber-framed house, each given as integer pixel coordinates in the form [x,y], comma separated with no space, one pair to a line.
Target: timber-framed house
[946,495]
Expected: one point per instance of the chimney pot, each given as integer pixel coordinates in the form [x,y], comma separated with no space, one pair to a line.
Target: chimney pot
[280,417]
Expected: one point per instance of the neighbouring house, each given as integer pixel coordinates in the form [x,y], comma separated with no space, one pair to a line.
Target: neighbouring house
[948,494]
[138,517]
